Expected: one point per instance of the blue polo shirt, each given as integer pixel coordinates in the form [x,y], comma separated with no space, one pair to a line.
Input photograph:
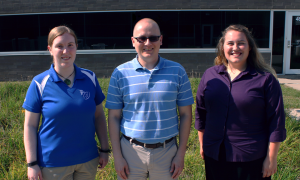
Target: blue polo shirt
[149,99]
[67,132]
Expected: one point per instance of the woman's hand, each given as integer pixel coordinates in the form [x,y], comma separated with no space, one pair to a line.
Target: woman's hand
[270,163]
[103,160]
[34,173]
[201,152]
[269,167]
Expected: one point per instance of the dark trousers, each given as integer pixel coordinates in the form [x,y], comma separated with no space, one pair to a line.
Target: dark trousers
[222,170]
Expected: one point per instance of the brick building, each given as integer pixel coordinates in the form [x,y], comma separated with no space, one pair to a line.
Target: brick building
[190,29]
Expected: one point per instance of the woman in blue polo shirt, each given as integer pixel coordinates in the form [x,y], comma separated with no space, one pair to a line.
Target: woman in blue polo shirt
[69,99]
[239,111]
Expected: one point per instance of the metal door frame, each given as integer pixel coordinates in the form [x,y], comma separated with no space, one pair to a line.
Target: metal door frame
[288,38]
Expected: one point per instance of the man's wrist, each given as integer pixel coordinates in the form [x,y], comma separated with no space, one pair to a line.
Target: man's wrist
[180,153]
[117,155]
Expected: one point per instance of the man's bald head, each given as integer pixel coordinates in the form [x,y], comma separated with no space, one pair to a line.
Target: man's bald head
[143,23]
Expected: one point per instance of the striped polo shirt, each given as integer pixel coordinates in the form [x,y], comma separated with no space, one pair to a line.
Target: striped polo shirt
[149,99]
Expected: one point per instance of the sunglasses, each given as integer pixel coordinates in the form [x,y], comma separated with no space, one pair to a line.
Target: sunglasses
[143,39]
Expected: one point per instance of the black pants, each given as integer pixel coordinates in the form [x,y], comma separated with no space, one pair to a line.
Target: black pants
[222,170]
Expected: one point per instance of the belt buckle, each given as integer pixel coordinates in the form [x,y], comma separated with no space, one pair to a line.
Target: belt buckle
[157,144]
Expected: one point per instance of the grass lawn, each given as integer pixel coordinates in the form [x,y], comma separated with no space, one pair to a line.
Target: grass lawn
[12,154]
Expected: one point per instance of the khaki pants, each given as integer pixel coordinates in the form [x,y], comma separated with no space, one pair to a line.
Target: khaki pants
[84,171]
[147,162]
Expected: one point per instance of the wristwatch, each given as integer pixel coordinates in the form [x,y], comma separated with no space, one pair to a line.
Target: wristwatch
[32,164]
[105,151]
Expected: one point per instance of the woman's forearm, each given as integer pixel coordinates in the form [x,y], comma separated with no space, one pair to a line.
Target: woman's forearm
[30,143]
[200,136]
[101,127]
[30,135]
[273,150]
[101,130]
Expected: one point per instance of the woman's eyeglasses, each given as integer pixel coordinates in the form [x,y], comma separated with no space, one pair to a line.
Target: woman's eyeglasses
[143,39]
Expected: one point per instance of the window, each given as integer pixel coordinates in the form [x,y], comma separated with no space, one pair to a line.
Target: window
[278,41]
[112,30]
[19,33]
[258,22]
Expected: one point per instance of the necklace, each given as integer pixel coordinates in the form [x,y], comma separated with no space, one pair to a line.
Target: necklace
[67,81]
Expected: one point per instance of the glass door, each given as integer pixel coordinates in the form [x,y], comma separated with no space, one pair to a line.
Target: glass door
[292,43]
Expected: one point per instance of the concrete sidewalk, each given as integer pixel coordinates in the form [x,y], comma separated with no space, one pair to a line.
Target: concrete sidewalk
[292,81]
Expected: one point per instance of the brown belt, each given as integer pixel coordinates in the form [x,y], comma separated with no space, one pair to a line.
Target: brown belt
[157,145]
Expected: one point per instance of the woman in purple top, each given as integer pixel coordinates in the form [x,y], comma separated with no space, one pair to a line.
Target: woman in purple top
[239,111]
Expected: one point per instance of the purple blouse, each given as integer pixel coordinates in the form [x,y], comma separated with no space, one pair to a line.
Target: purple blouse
[246,114]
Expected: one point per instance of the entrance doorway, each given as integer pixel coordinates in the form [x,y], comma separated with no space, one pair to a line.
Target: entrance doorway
[292,43]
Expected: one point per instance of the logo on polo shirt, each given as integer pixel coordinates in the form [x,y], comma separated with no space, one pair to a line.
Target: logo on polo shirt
[85,95]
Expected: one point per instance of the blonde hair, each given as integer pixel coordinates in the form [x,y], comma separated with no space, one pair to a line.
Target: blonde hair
[254,58]
[58,31]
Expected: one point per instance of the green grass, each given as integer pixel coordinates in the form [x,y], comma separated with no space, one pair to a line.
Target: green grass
[12,154]
[291,97]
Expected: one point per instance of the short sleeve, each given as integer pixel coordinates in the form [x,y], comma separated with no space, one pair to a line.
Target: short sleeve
[275,110]
[33,99]
[114,94]
[185,95]
[99,96]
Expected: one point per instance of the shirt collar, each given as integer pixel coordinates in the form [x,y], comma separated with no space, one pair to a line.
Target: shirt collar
[54,76]
[221,68]
[249,70]
[137,65]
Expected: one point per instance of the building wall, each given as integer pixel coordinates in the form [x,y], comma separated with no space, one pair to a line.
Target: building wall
[22,68]
[25,67]
[39,6]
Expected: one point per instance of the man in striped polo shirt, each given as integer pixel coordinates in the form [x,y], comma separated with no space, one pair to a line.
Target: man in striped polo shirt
[142,99]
